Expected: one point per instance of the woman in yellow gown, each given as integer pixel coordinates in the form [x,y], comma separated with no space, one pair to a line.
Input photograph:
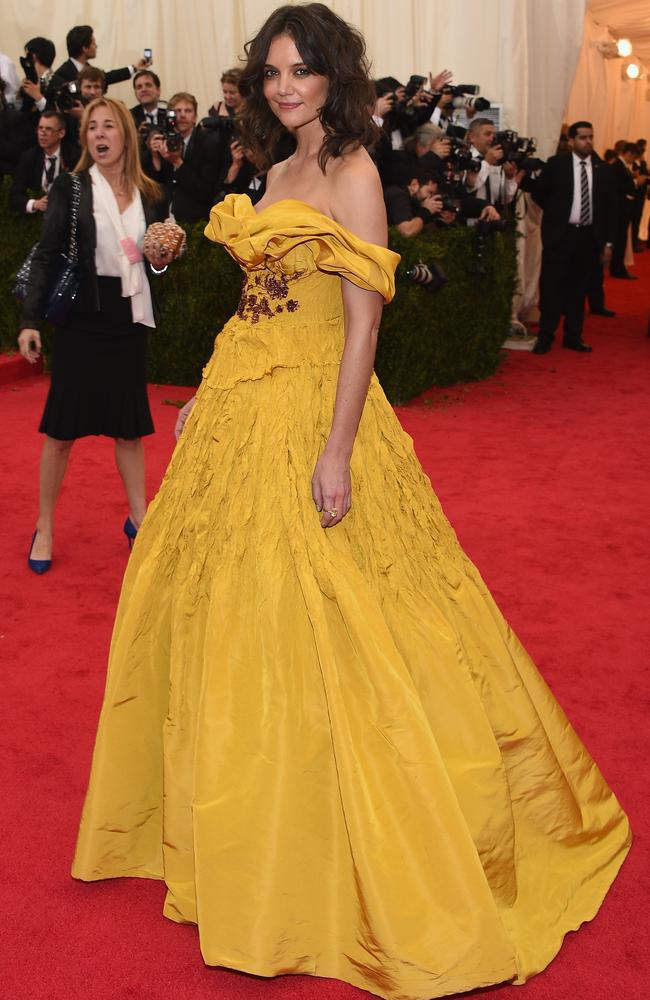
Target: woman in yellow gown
[318,729]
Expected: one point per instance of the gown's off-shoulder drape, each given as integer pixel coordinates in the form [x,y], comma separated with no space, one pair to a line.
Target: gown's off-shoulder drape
[330,744]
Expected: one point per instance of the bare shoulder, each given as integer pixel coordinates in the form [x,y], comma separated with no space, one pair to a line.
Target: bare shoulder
[274,173]
[356,197]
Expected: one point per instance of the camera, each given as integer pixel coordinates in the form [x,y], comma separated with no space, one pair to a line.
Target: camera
[485,226]
[27,63]
[473,103]
[67,96]
[224,125]
[415,82]
[466,95]
[460,159]
[430,276]
[448,202]
[518,149]
[167,130]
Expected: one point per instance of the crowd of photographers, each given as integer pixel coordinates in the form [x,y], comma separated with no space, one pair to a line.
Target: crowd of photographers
[441,160]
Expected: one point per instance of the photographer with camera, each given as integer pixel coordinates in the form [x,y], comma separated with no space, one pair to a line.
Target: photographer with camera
[412,207]
[427,148]
[146,86]
[399,110]
[36,87]
[443,110]
[498,179]
[71,98]
[38,168]
[245,174]
[233,101]
[186,160]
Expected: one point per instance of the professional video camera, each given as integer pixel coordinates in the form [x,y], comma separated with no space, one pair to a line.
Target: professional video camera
[518,149]
[167,130]
[465,95]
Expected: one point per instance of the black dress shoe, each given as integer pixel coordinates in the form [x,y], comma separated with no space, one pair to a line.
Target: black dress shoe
[625,277]
[581,348]
[602,312]
[541,348]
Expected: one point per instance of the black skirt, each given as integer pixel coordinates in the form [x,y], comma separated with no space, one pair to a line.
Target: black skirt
[99,372]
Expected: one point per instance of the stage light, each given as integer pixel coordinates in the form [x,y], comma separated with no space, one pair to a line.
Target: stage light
[624,47]
[632,71]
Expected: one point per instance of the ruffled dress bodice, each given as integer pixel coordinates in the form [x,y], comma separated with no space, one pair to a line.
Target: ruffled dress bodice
[291,309]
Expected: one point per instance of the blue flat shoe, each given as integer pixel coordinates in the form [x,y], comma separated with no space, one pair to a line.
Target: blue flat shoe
[130,531]
[39,566]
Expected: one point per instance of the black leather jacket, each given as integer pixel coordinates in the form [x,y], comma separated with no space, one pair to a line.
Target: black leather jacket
[54,241]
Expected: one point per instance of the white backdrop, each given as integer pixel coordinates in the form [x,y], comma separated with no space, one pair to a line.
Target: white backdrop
[523,53]
[618,108]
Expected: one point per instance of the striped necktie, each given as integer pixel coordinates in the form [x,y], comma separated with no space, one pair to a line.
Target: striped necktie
[585,202]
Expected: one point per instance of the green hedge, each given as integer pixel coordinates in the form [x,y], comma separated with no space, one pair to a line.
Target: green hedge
[426,339]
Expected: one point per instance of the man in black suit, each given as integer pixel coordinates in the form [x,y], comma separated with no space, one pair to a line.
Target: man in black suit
[146,85]
[574,190]
[624,194]
[38,168]
[188,168]
[82,46]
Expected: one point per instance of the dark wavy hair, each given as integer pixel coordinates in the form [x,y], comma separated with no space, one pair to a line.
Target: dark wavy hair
[329,47]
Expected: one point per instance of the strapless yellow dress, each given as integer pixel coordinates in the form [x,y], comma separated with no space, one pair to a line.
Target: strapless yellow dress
[329,744]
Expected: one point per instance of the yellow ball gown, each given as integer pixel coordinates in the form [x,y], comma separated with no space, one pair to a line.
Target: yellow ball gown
[329,744]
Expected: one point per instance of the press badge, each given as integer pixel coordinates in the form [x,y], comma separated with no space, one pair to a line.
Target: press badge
[130,248]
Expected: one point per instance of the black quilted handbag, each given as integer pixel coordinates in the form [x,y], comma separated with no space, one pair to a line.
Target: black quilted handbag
[66,282]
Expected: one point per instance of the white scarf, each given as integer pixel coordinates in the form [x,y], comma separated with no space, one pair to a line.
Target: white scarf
[133,276]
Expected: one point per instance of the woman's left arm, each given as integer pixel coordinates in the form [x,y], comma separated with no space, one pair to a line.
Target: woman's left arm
[359,206]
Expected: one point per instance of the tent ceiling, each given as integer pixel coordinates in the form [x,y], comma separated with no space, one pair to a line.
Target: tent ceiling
[626,19]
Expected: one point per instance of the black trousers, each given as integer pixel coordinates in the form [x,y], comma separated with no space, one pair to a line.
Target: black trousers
[637,211]
[567,271]
[617,266]
[596,288]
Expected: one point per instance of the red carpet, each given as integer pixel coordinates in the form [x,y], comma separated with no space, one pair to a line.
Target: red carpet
[544,471]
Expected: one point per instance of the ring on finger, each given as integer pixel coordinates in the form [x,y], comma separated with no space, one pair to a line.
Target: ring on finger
[333,512]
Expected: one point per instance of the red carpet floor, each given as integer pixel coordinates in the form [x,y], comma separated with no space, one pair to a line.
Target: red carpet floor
[544,471]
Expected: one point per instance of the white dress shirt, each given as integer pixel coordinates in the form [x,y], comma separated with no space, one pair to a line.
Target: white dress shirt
[437,118]
[151,115]
[45,184]
[491,183]
[574,215]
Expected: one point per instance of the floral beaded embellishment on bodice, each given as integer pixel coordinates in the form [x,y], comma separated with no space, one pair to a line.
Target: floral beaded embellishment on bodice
[266,295]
